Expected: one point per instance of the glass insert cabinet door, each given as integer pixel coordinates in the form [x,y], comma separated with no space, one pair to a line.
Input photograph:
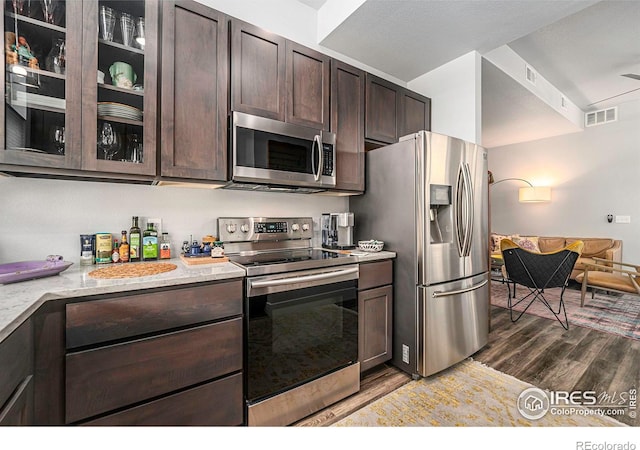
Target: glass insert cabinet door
[120,86]
[42,83]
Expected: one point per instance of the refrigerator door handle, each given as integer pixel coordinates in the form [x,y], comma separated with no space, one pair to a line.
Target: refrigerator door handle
[470,202]
[437,294]
[460,213]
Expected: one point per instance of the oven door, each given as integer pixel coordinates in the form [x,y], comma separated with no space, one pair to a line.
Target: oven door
[279,153]
[296,336]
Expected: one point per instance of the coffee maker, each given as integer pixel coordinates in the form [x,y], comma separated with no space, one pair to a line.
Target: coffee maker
[337,230]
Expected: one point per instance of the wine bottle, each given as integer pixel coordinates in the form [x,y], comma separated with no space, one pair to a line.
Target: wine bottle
[135,239]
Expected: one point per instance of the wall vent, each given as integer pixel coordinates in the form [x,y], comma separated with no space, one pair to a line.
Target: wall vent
[530,75]
[601,116]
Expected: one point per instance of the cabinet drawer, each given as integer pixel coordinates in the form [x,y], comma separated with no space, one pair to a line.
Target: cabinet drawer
[103,379]
[19,408]
[16,360]
[98,321]
[213,404]
[374,274]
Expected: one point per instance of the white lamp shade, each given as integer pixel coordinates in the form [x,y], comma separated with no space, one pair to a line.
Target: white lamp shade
[536,194]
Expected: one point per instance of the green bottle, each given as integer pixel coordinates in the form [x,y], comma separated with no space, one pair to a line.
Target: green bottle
[134,240]
[150,243]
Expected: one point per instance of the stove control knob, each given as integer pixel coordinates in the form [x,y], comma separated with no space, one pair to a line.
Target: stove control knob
[231,228]
[295,227]
[244,228]
[305,227]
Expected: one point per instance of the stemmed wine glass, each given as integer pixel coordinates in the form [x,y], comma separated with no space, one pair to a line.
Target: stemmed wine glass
[108,141]
[58,139]
[48,8]
[18,6]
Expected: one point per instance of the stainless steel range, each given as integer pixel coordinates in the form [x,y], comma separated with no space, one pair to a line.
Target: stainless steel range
[301,318]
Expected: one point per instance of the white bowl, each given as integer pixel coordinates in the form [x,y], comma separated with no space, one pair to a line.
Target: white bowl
[371,245]
[100,77]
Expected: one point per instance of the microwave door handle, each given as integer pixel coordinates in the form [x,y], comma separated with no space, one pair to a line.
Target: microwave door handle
[317,141]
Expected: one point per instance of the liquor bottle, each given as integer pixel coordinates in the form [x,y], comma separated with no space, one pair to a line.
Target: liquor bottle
[134,240]
[150,243]
[115,254]
[124,247]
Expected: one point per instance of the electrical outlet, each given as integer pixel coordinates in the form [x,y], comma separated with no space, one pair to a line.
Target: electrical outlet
[405,353]
[623,219]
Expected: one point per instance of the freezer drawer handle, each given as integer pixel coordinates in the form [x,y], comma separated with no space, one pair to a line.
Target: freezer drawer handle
[459,291]
[302,279]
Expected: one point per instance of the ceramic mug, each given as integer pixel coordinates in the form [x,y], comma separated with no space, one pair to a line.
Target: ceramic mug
[122,75]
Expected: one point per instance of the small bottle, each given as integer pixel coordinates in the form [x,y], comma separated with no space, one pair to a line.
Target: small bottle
[124,247]
[115,254]
[165,246]
[134,240]
[150,243]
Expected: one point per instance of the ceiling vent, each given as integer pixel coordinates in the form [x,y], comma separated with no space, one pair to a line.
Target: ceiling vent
[601,116]
[530,75]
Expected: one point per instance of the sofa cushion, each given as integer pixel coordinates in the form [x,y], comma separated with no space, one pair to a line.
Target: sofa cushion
[551,244]
[594,247]
[528,243]
[582,262]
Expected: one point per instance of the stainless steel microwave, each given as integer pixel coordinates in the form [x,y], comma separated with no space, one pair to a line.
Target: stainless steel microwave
[267,151]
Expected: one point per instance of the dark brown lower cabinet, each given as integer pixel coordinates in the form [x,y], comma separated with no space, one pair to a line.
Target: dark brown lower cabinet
[16,377]
[199,406]
[375,313]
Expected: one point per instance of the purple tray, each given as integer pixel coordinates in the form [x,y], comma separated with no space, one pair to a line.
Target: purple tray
[29,270]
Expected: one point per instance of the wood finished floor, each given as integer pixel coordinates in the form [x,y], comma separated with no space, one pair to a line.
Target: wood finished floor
[535,350]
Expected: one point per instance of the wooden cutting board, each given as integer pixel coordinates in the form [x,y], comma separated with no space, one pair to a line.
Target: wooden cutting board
[202,260]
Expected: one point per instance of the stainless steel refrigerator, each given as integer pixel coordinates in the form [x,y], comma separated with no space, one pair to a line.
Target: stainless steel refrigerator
[426,198]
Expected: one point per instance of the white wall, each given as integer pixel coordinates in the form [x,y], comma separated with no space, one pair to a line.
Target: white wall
[42,217]
[456,101]
[592,173]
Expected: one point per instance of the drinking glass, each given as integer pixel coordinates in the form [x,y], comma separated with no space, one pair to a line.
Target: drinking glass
[57,136]
[127,26]
[108,141]
[48,9]
[139,34]
[18,6]
[106,22]
[134,150]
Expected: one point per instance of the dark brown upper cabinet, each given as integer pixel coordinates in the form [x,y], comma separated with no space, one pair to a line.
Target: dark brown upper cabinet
[415,113]
[393,111]
[119,112]
[347,122]
[194,90]
[278,79]
[40,124]
[382,104]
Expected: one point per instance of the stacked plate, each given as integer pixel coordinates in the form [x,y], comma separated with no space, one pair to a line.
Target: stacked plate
[119,110]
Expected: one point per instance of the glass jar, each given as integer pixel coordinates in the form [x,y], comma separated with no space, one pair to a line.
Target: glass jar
[56,60]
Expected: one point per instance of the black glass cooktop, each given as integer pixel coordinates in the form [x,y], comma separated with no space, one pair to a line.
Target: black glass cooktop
[289,260]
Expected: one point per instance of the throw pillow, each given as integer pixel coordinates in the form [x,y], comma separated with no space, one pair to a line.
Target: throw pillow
[495,241]
[529,243]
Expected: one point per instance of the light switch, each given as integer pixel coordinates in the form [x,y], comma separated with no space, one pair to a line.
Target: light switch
[623,219]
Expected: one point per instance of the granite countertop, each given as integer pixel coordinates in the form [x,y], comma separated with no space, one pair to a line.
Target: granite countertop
[19,300]
[364,256]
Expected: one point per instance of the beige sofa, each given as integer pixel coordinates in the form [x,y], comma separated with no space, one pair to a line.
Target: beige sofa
[605,248]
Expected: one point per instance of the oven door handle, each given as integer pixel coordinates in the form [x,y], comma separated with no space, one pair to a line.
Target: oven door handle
[303,279]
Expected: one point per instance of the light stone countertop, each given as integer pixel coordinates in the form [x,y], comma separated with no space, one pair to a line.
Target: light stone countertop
[19,300]
[365,256]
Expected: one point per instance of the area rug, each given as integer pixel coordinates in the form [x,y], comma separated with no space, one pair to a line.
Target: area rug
[616,314]
[468,394]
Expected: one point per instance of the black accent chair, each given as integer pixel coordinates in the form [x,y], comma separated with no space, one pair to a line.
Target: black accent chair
[538,272]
